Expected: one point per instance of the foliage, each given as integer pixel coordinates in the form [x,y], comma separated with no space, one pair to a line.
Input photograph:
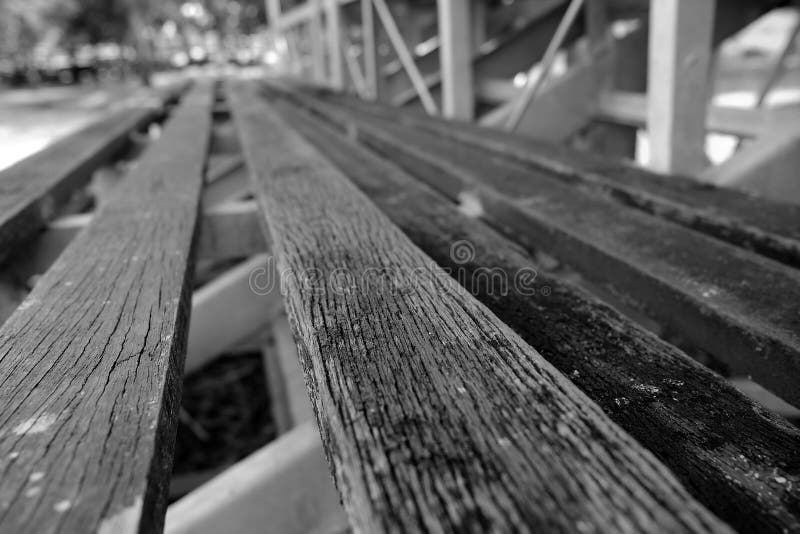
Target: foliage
[23,23]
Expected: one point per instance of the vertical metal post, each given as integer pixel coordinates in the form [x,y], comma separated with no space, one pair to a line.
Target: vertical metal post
[478,24]
[455,53]
[370,50]
[274,14]
[532,86]
[317,45]
[334,34]
[677,89]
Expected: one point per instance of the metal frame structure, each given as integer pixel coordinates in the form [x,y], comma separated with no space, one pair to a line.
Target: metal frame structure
[552,106]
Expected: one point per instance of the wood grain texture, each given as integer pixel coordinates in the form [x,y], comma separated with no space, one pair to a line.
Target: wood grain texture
[734,456]
[770,228]
[734,304]
[435,415]
[91,362]
[32,190]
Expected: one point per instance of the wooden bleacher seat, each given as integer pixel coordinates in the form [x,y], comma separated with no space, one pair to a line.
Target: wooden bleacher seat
[467,307]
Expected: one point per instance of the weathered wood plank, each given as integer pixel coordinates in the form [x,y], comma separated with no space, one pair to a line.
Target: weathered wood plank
[768,227]
[32,190]
[734,304]
[91,362]
[419,389]
[718,438]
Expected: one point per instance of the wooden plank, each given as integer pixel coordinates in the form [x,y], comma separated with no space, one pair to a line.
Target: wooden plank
[456,52]
[284,487]
[770,228]
[417,387]
[645,385]
[727,301]
[91,361]
[679,60]
[32,191]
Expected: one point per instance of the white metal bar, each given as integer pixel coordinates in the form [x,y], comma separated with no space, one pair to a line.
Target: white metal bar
[677,95]
[534,84]
[314,34]
[303,13]
[478,16]
[370,50]
[628,108]
[334,34]
[455,53]
[274,14]
[354,69]
[405,56]
[284,487]
[289,400]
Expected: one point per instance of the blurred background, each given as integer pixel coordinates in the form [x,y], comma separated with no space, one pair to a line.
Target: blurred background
[64,63]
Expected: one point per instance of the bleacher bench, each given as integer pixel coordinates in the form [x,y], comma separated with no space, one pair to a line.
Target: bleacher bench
[445,286]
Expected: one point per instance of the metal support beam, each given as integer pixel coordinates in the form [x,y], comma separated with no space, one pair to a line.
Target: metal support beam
[623,107]
[370,50]
[227,231]
[455,50]
[677,92]
[274,14]
[285,383]
[478,17]
[404,54]
[767,166]
[232,307]
[334,34]
[535,83]
[314,33]
[354,69]
[284,487]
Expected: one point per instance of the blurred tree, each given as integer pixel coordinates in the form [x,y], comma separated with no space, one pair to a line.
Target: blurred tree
[135,23]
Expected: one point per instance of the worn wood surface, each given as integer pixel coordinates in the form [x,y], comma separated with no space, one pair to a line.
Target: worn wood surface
[433,413]
[768,227]
[32,190]
[91,362]
[730,302]
[737,458]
